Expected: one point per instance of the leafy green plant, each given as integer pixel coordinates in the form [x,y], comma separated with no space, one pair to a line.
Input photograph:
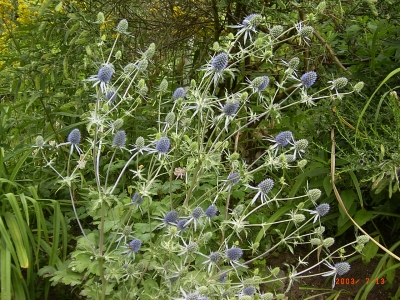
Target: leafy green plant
[179,211]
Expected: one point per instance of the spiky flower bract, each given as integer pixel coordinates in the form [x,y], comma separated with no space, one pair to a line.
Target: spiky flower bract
[308,79]
[248,25]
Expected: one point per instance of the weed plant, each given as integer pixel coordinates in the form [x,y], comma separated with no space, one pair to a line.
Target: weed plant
[177,211]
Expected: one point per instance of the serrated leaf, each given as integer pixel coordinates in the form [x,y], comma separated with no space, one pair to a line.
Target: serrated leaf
[370,250]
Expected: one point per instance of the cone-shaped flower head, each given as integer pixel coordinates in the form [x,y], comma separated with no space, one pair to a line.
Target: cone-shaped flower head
[74,137]
[163,144]
[220,62]
[135,245]
[309,78]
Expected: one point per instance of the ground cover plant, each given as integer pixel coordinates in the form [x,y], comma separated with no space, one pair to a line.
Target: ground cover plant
[179,187]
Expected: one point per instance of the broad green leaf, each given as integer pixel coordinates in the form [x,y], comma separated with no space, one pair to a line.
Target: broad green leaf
[370,250]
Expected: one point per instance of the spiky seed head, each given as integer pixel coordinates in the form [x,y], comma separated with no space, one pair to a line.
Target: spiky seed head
[267,296]
[249,291]
[260,83]
[290,158]
[211,211]
[163,144]
[234,253]
[182,224]
[362,239]
[140,266]
[252,20]
[118,55]
[215,47]
[105,73]
[150,51]
[111,95]
[342,268]
[122,26]
[126,231]
[74,137]
[314,194]
[179,93]
[237,211]
[171,217]
[306,31]
[142,65]
[220,62]
[322,209]
[293,63]
[207,236]
[245,297]
[309,78]
[100,18]
[321,7]
[284,138]
[39,142]
[301,144]
[315,241]
[230,108]
[139,142]
[135,245]
[276,31]
[340,83]
[198,212]
[328,242]
[137,198]
[215,256]
[192,247]
[319,230]
[358,86]
[170,118]
[298,218]
[163,86]
[129,68]
[302,163]
[119,139]
[118,123]
[266,185]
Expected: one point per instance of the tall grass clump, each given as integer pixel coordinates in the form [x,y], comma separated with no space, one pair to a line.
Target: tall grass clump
[176,210]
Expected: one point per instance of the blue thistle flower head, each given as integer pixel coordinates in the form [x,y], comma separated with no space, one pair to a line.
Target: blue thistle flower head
[215,257]
[105,73]
[234,253]
[137,198]
[163,144]
[220,62]
[260,83]
[230,108]
[342,268]
[198,212]
[119,139]
[182,224]
[252,20]
[323,209]
[171,217]
[211,211]
[74,137]
[179,93]
[135,245]
[249,291]
[111,95]
[284,138]
[234,178]
[308,79]
[266,185]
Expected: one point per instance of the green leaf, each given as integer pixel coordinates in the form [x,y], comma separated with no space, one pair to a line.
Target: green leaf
[370,250]
[363,216]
